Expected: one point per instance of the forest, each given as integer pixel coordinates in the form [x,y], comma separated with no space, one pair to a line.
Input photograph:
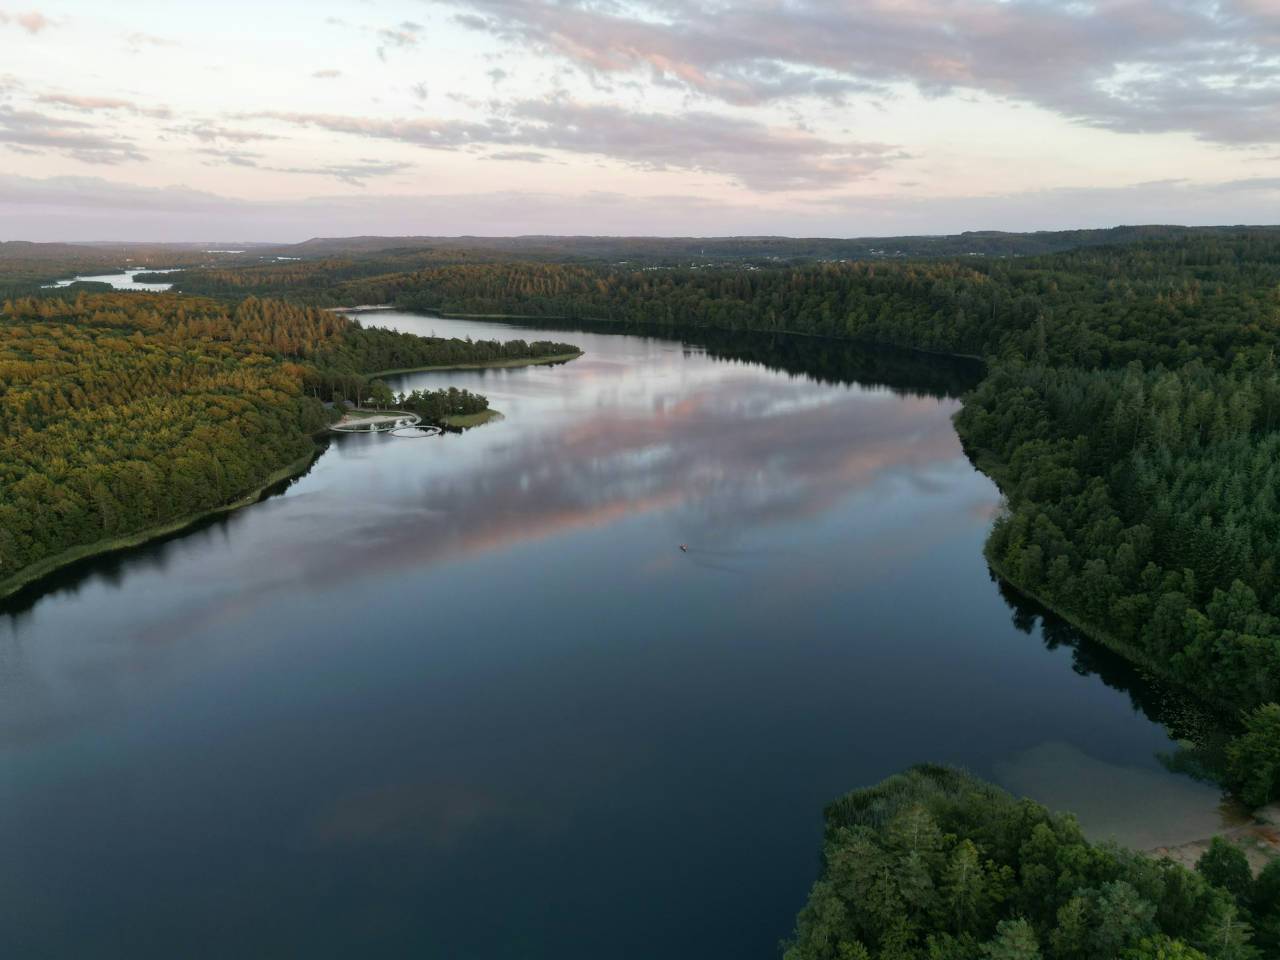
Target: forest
[27,267]
[368,256]
[1129,413]
[436,406]
[126,412]
[313,270]
[1125,399]
[1130,407]
[934,864]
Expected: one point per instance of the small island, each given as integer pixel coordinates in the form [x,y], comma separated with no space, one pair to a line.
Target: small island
[446,407]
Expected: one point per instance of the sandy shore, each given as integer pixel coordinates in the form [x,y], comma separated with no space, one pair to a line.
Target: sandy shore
[1138,807]
[1259,839]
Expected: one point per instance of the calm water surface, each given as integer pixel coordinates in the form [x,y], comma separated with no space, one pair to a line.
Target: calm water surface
[466,698]
[122,281]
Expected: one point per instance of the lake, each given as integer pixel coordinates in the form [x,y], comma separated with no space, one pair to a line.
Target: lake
[121,281]
[466,697]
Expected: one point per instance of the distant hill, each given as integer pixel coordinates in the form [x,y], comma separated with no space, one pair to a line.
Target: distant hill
[764,249]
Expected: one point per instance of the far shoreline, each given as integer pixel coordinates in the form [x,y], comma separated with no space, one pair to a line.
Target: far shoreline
[488,365]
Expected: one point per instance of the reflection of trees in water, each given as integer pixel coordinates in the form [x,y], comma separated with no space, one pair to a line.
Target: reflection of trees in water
[112,567]
[906,372]
[1201,731]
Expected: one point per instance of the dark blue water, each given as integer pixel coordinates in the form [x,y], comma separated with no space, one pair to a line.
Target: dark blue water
[466,698]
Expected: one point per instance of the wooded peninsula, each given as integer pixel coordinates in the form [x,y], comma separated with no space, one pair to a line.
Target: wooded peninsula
[124,415]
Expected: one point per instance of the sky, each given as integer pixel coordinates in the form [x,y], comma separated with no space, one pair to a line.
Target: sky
[286,120]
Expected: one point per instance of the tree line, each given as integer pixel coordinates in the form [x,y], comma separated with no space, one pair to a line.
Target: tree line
[436,406]
[934,864]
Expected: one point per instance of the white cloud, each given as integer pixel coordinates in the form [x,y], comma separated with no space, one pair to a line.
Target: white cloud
[758,156]
[1208,68]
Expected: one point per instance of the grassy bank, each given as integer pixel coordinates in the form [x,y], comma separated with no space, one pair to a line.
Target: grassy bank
[472,419]
[36,571]
[521,362]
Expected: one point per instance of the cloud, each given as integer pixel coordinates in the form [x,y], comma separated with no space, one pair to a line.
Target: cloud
[327,74]
[31,21]
[353,173]
[137,40]
[87,104]
[74,138]
[758,156]
[1207,68]
[209,133]
[406,35]
[239,158]
[527,156]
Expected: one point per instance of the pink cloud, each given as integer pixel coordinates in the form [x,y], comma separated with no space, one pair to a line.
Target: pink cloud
[31,21]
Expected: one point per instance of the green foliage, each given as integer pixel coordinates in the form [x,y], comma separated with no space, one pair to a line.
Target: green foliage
[1265,907]
[1161,948]
[374,350]
[380,394]
[1253,759]
[1014,940]
[1225,865]
[1009,880]
[435,406]
[122,412]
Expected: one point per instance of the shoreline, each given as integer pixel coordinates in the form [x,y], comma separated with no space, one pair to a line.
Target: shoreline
[30,575]
[1098,635]
[464,421]
[679,332]
[50,565]
[492,365]
[1259,839]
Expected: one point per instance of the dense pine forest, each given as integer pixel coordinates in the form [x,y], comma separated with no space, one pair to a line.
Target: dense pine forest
[1130,415]
[934,864]
[125,412]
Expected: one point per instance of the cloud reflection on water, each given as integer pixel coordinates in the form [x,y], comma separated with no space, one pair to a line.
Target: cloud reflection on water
[718,450]
[711,454]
